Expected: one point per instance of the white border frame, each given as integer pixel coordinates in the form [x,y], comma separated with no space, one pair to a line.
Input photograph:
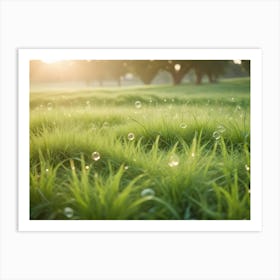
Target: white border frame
[254,224]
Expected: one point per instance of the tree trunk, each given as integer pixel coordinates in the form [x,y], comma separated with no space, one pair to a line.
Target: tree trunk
[199,76]
[210,77]
[177,78]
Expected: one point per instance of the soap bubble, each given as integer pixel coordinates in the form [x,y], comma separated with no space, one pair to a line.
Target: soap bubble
[217,135]
[173,161]
[183,125]
[68,212]
[221,129]
[105,125]
[148,192]
[130,136]
[50,106]
[95,156]
[138,104]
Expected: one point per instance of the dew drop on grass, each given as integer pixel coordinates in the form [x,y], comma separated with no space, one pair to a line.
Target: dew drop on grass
[247,167]
[47,170]
[173,161]
[138,104]
[87,167]
[183,125]
[95,156]
[217,135]
[130,136]
[68,212]
[126,167]
[148,192]
[193,155]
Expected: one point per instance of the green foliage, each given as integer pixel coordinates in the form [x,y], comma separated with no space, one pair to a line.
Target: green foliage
[173,168]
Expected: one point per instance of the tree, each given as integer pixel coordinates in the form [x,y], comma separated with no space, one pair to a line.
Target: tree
[212,68]
[146,70]
[178,69]
[246,65]
[116,69]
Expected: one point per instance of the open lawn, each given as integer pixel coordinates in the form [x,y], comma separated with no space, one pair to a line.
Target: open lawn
[146,152]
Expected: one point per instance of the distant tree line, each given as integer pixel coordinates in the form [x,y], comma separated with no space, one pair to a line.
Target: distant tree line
[146,70]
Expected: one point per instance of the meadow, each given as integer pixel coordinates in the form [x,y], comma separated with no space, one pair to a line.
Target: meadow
[158,152]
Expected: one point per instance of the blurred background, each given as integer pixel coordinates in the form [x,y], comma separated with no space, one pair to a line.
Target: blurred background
[96,73]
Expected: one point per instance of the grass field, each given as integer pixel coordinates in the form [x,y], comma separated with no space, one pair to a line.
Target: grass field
[146,152]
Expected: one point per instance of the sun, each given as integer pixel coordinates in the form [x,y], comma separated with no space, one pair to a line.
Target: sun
[237,61]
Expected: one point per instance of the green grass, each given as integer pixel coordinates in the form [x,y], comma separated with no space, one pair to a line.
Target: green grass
[172,169]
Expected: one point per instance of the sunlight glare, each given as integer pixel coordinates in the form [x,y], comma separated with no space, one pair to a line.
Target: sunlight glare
[50,60]
[237,61]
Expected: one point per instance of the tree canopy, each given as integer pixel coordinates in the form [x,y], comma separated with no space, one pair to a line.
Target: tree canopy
[145,70]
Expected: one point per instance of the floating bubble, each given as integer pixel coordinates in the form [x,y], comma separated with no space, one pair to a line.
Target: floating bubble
[95,156]
[47,170]
[105,125]
[173,161]
[87,167]
[126,167]
[138,104]
[217,135]
[148,192]
[93,126]
[68,212]
[50,106]
[221,129]
[130,136]
[247,167]
[183,125]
